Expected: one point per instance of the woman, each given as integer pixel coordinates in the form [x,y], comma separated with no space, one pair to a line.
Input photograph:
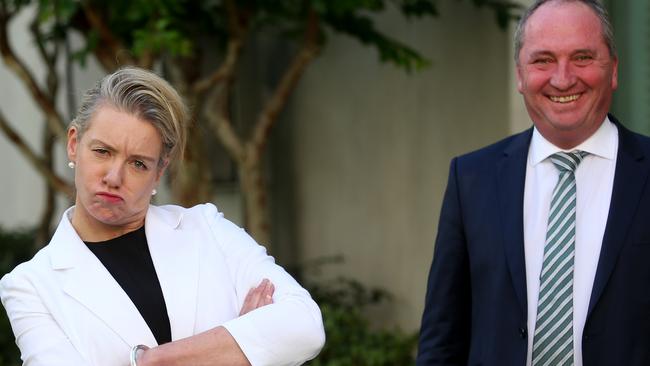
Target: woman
[124,282]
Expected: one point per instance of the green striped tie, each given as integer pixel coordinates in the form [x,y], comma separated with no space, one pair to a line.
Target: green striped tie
[553,340]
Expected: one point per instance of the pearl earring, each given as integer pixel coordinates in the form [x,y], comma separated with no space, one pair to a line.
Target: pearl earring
[71,165]
[153,192]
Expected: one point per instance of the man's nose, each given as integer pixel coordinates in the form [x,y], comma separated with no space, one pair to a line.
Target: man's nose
[563,77]
[114,175]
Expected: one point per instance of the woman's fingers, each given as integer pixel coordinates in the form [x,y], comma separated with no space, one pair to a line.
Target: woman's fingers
[258,297]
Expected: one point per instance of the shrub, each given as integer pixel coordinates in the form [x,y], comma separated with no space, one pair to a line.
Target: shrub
[15,247]
[351,341]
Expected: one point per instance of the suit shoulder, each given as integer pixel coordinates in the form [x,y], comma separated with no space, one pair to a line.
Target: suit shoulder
[643,140]
[199,209]
[36,267]
[196,216]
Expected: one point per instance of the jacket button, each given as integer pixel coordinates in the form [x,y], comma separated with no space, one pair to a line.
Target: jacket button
[522,332]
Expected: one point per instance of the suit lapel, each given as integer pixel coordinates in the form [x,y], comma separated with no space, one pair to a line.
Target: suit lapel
[629,180]
[511,177]
[175,254]
[87,281]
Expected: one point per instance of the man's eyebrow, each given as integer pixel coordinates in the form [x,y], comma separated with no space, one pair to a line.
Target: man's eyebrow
[540,53]
[585,50]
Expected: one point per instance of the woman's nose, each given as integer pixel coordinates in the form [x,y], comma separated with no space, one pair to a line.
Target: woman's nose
[114,175]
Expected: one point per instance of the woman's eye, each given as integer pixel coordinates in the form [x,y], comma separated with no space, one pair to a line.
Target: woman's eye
[100,151]
[140,165]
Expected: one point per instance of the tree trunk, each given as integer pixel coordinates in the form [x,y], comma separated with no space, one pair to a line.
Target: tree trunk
[192,179]
[43,233]
[255,198]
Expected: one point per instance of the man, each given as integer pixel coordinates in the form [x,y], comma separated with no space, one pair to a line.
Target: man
[543,248]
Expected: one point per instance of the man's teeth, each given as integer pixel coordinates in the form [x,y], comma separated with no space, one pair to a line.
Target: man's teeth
[566,99]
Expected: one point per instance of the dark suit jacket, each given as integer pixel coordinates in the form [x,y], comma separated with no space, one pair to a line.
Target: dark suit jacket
[476,308]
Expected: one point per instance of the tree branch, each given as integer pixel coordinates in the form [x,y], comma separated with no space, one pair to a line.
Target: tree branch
[269,115]
[146,60]
[48,58]
[5,13]
[110,44]
[225,72]
[50,176]
[54,119]
[223,128]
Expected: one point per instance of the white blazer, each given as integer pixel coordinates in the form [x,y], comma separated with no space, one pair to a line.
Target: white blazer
[66,309]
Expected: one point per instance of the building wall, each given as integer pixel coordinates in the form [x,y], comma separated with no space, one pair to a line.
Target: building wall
[369,148]
[22,190]
[360,158]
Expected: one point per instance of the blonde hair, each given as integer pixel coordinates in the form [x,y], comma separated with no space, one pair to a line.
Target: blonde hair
[145,95]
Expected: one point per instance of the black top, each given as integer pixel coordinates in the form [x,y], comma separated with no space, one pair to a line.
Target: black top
[128,260]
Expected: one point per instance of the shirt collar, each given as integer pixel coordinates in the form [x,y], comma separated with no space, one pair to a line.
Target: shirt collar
[602,143]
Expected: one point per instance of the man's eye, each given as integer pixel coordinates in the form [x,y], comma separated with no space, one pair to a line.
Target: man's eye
[543,61]
[583,58]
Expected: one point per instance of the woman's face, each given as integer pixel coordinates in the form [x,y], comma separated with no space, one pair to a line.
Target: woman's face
[116,170]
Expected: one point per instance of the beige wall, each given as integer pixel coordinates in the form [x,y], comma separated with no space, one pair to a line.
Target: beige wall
[371,147]
[22,190]
[361,155]
[519,119]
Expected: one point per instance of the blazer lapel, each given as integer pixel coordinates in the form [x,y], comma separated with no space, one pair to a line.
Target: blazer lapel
[175,255]
[88,282]
[511,177]
[629,180]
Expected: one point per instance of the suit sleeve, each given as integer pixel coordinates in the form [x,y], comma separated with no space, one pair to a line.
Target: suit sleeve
[40,339]
[289,331]
[446,322]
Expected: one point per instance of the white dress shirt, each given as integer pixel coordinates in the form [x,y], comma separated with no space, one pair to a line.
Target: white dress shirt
[594,180]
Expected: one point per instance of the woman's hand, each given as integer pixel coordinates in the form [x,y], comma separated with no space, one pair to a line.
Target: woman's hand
[258,297]
[204,342]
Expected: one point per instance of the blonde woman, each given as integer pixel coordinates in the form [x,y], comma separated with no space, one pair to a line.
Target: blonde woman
[123,282]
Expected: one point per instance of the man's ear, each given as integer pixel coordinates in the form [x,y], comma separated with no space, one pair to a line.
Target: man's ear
[73,143]
[520,81]
[615,73]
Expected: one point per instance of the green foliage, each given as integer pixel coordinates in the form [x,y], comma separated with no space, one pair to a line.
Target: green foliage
[15,247]
[351,341]
[161,37]
[178,27]
[504,10]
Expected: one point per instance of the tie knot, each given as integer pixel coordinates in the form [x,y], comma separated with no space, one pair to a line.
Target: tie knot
[568,162]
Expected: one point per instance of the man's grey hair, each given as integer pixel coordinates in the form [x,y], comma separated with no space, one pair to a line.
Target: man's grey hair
[596,7]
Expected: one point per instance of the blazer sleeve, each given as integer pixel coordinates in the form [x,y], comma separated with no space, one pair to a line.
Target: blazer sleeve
[40,339]
[287,332]
[446,322]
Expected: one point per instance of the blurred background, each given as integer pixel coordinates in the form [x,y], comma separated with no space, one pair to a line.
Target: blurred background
[325,127]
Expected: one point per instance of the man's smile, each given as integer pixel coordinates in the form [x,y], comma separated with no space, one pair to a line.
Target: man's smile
[564,99]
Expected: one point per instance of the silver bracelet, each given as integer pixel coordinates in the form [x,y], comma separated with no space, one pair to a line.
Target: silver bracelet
[134,353]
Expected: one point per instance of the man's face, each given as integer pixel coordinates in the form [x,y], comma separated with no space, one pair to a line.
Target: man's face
[565,72]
